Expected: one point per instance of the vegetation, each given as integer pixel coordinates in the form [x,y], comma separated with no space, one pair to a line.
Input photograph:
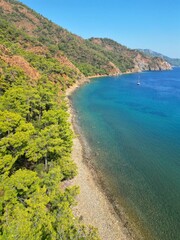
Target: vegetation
[121,56]
[91,57]
[35,142]
[17,43]
[54,37]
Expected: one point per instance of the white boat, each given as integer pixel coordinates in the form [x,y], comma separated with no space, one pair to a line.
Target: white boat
[138,82]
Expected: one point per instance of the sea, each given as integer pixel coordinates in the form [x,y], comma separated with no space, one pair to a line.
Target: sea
[133,132]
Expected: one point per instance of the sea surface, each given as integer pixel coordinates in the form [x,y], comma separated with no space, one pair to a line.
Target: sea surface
[134,135]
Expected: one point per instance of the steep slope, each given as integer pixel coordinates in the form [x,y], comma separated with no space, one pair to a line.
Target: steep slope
[19,50]
[36,141]
[88,56]
[173,61]
[89,61]
[129,60]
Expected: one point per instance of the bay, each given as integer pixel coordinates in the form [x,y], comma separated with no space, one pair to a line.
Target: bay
[133,132]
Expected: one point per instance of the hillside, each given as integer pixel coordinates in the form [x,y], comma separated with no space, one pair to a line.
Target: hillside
[89,61]
[128,60]
[173,61]
[18,50]
[36,140]
[90,57]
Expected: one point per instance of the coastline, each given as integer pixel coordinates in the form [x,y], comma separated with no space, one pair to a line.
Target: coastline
[76,85]
[82,101]
[104,75]
[93,204]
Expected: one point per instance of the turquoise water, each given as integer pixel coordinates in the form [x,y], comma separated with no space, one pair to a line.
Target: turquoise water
[134,135]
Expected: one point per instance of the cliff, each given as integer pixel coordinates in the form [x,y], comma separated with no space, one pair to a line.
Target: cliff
[145,63]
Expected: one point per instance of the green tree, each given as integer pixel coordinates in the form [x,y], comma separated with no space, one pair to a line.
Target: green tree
[24,205]
[15,135]
[45,146]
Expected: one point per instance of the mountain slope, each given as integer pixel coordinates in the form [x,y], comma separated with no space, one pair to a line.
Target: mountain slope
[173,61]
[88,56]
[33,58]
[128,60]
[36,141]
[49,34]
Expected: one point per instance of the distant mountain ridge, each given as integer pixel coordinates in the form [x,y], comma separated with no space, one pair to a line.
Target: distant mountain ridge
[173,61]
[89,56]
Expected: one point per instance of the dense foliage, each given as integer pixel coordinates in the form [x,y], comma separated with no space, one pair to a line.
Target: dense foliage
[51,35]
[89,57]
[104,56]
[35,143]
[46,62]
[121,56]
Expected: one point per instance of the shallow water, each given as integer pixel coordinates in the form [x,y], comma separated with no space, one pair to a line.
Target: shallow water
[134,134]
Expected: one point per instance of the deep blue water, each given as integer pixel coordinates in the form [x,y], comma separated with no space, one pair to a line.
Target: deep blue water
[134,134]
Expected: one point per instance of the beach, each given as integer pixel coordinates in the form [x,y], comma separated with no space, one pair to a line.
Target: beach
[93,206]
[128,169]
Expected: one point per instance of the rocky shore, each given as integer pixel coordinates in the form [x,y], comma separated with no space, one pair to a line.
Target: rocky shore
[93,206]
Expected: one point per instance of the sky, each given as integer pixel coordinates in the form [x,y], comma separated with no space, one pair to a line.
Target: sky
[150,24]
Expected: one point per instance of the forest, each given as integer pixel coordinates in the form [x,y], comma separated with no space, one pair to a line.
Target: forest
[35,143]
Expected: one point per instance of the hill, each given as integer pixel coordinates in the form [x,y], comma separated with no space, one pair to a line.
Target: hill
[78,51]
[88,56]
[128,60]
[36,140]
[19,50]
[173,61]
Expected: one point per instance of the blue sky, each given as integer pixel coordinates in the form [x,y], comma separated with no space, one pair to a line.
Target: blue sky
[152,24]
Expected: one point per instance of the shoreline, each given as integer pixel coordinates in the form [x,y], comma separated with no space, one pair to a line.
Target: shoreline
[94,205]
[76,85]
